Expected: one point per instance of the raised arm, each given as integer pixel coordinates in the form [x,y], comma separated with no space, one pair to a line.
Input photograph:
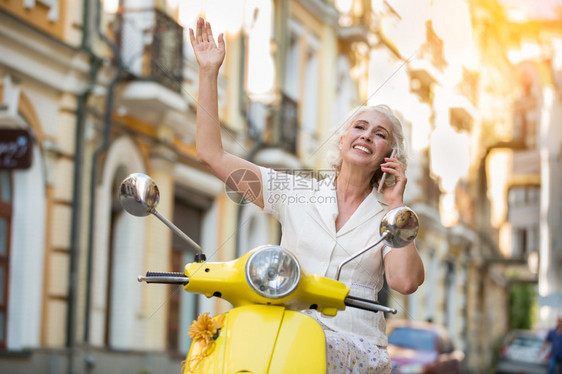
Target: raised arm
[403,267]
[210,56]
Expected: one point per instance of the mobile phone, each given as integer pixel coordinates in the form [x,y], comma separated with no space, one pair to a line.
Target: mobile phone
[392,154]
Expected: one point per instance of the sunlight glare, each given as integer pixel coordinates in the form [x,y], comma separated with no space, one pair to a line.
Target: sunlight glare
[505,239]
[447,209]
[344,6]
[420,116]
[528,51]
[110,6]
[497,173]
[261,67]
[449,156]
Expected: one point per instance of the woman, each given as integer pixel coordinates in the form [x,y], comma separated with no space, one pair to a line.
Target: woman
[324,223]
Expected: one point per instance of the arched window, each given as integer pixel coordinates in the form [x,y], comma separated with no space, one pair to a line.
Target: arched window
[26,251]
[253,229]
[118,257]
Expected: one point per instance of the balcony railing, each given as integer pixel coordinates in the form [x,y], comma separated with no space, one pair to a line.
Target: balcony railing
[288,125]
[151,46]
[278,126]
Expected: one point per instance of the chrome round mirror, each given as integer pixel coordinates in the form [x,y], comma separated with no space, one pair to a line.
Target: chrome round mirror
[139,195]
[401,225]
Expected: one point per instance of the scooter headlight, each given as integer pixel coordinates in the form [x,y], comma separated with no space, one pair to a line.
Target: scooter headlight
[273,272]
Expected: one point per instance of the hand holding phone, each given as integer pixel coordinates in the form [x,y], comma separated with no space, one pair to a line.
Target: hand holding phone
[385,173]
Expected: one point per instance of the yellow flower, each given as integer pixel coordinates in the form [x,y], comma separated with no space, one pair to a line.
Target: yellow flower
[203,331]
[205,328]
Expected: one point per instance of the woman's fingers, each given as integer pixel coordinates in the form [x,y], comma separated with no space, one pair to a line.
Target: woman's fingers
[198,29]
[195,36]
[204,33]
[204,27]
[209,32]
[208,53]
[222,46]
[393,166]
[200,33]
[192,37]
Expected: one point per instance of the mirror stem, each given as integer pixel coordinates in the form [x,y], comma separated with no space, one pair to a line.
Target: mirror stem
[199,256]
[383,237]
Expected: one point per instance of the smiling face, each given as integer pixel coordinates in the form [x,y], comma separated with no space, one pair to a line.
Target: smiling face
[367,140]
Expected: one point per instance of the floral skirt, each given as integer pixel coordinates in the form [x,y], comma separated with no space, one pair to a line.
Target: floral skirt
[350,353]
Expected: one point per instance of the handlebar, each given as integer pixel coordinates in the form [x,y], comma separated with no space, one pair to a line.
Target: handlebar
[369,305]
[167,278]
[180,278]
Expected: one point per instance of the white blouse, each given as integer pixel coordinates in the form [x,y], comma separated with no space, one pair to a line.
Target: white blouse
[307,210]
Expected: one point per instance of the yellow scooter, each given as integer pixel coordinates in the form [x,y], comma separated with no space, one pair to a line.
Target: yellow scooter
[264,332]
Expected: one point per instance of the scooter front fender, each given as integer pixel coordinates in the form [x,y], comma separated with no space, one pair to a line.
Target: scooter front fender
[264,339]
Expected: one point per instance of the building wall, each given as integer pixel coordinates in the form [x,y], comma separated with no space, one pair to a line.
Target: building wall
[42,74]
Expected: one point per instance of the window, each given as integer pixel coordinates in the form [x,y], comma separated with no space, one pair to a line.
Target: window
[301,83]
[5,225]
[431,282]
[189,211]
[293,62]
[254,229]
[524,214]
[521,241]
[525,241]
[117,215]
[524,195]
[310,110]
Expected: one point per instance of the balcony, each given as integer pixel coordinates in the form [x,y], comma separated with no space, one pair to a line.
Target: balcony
[151,46]
[426,68]
[462,113]
[357,23]
[423,76]
[278,128]
[355,28]
[285,131]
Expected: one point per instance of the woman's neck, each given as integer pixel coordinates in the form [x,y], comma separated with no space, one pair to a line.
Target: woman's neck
[353,184]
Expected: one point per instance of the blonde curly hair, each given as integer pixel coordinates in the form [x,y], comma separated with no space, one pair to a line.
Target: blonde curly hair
[398,141]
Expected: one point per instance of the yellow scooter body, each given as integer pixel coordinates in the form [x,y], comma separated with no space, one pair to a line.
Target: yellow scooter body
[263,339]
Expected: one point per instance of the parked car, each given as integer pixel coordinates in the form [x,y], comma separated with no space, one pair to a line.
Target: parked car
[520,353]
[422,347]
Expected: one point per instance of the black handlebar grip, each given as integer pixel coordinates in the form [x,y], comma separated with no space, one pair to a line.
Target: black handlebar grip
[164,274]
[369,305]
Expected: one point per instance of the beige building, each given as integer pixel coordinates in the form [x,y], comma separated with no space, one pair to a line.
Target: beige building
[526,206]
[97,90]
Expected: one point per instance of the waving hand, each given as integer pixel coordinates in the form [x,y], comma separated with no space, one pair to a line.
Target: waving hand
[209,54]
